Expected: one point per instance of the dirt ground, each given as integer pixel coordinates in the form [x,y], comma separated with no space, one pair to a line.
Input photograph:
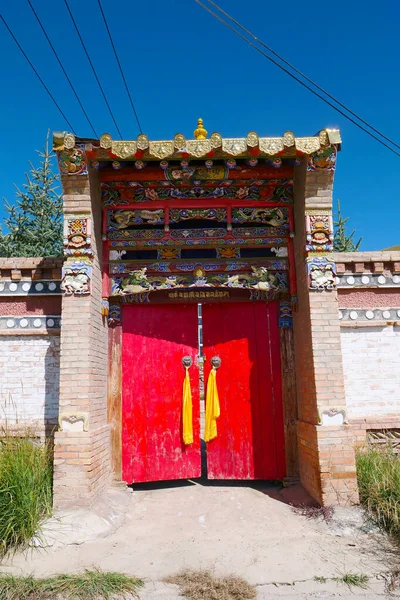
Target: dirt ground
[247,530]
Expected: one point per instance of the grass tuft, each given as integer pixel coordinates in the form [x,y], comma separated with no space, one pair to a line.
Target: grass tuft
[90,585]
[26,474]
[378,473]
[203,585]
[353,579]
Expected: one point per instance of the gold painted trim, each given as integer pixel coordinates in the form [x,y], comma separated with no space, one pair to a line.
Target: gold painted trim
[17,332]
[124,149]
[162,149]
[316,212]
[271,146]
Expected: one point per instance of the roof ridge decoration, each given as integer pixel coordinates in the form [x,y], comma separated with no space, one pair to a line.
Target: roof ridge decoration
[201,146]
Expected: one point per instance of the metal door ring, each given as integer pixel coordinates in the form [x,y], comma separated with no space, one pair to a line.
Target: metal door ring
[187,361]
[216,362]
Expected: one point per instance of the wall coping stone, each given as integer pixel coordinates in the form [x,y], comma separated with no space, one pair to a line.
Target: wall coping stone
[371,256]
[24,268]
[382,262]
[24,262]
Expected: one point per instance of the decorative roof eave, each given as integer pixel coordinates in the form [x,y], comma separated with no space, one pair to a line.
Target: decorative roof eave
[215,145]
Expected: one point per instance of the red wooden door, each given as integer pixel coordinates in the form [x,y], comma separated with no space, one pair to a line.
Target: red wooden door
[155,339]
[250,441]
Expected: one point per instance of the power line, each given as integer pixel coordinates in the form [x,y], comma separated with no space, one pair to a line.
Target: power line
[302,74]
[92,66]
[37,74]
[62,67]
[296,78]
[119,65]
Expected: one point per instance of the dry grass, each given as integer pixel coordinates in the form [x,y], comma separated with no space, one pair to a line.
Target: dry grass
[203,585]
[90,585]
[314,512]
[392,581]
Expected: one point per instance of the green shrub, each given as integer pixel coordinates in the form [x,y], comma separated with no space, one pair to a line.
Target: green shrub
[26,477]
[378,473]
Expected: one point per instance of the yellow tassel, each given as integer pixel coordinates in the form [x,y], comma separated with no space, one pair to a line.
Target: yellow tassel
[212,407]
[187,418]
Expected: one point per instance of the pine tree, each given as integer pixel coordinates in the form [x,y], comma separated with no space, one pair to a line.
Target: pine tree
[34,223]
[344,242]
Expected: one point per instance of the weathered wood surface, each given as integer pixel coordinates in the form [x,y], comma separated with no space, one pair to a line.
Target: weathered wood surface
[114,397]
[289,397]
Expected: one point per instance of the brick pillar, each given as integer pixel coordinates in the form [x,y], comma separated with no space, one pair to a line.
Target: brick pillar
[326,453]
[82,445]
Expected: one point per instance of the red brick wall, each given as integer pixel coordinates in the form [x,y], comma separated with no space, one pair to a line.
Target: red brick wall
[30,305]
[83,378]
[319,372]
[369,298]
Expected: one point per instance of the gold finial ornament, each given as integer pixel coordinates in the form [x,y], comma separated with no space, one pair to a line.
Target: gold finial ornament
[200,133]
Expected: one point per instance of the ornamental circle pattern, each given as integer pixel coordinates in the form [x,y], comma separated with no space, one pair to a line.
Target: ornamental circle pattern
[106,141]
[69,141]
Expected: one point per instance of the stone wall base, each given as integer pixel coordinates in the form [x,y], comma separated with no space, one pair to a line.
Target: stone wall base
[81,466]
[327,463]
[361,429]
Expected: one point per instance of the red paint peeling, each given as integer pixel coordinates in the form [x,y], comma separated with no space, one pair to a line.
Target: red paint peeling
[368,298]
[29,305]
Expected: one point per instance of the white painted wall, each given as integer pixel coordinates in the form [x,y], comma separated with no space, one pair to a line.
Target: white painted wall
[29,378]
[371,364]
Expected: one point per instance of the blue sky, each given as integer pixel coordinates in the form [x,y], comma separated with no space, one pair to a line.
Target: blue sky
[181,64]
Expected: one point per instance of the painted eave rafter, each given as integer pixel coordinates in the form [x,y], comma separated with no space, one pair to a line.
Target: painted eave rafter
[216,145]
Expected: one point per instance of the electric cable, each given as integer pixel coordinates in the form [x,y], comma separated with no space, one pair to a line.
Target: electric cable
[62,67]
[92,66]
[36,73]
[302,74]
[297,79]
[119,66]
